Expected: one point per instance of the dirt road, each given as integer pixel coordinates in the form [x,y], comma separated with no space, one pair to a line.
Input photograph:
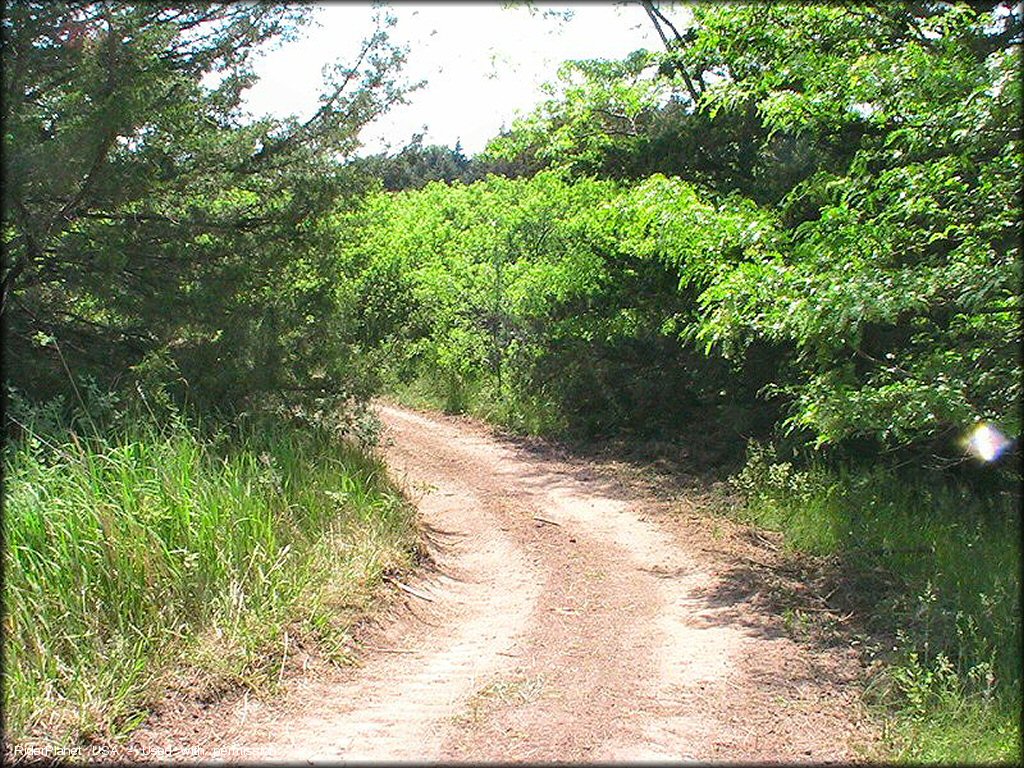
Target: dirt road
[566,618]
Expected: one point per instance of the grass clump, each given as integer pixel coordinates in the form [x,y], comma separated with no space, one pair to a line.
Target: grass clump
[153,557]
[943,562]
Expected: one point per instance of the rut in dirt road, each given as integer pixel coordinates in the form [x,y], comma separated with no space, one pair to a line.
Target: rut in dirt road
[560,622]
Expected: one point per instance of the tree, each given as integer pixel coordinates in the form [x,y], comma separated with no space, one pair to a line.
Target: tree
[598,114]
[637,117]
[883,142]
[148,224]
[416,165]
[898,282]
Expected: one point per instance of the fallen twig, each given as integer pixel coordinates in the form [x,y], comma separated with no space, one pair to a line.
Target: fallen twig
[814,609]
[761,539]
[752,561]
[545,520]
[284,658]
[410,590]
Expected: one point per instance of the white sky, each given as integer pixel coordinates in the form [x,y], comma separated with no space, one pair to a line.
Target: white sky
[482,63]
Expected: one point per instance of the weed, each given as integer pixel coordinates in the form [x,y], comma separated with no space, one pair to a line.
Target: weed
[502,692]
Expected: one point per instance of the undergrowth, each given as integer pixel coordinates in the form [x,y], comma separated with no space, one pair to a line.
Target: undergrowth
[152,557]
[948,561]
[519,413]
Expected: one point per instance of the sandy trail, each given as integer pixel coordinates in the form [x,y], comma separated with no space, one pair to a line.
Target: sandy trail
[566,622]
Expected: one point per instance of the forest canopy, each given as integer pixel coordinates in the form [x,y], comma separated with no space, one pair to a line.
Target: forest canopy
[811,208]
[835,189]
[152,233]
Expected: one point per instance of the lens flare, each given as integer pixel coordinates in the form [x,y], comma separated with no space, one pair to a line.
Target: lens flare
[986,442]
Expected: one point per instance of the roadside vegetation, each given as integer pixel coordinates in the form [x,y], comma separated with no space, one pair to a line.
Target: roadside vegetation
[788,239]
[934,571]
[163,556]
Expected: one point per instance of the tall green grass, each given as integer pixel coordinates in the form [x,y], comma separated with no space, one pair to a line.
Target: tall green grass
[155,558]
[950,557]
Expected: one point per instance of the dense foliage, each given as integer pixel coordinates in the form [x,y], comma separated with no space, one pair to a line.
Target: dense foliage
[557,302]
[824,196]
[899,283]
[150,229]
[884,143]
